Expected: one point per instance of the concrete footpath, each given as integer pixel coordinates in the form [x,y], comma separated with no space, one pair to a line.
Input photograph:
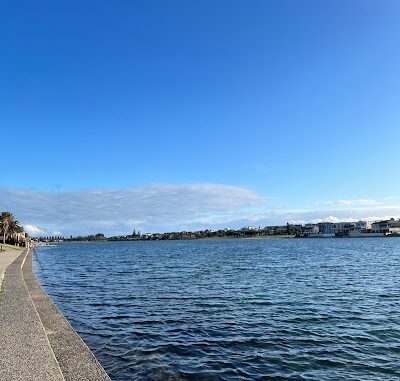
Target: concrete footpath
[36,342]
[7,256]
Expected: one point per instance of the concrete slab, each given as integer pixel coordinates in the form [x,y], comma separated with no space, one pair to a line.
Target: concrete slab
[7,256]
[76,360]
[25,352]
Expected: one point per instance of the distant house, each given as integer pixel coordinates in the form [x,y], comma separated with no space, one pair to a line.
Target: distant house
[343,228]
[363,226]
[332,229]
[277,230]
[326,228]
[387,227]
[296,229]
[250,228]
[281,230]
[310,230]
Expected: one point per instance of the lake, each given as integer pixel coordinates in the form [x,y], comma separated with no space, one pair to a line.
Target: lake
[232,309]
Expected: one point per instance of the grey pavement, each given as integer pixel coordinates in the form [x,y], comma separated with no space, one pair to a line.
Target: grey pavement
[36,342]
[7,256]
[76,360]
[25,352]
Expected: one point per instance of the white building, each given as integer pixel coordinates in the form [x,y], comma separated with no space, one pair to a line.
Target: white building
[363,226]
[331,229]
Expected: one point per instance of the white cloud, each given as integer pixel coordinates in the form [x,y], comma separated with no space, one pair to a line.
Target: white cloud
[364,201]
[167,207]
[33,230]
[333,219]
[152,207]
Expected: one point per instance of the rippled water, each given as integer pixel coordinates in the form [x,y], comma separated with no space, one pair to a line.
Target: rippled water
[237,309]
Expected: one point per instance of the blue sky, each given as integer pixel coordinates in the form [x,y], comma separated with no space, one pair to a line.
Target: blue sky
[270,110]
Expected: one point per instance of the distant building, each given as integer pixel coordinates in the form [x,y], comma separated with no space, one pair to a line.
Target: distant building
[282,229]
[386,227]
[326,228]
[332,229]
[310,230]
[296,229]
[250,228]
[343,228]
[363,226]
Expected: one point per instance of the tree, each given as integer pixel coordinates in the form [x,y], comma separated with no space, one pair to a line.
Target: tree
[9,225]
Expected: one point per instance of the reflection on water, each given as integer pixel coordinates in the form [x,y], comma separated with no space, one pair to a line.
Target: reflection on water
[235,309]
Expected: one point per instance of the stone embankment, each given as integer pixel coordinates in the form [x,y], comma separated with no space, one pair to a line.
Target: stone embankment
[37,343]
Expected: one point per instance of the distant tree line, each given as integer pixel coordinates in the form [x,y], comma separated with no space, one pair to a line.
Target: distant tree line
[91,237]
[52,238]
[246,232]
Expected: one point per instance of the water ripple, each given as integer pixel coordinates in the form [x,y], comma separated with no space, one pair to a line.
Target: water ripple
[233,309]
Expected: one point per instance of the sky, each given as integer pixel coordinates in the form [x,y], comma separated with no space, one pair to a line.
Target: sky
[181,115]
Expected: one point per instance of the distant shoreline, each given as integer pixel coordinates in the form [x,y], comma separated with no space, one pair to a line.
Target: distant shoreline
[285,237]
[360,229]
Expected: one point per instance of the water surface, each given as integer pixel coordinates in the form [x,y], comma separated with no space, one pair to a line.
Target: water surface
[233,309]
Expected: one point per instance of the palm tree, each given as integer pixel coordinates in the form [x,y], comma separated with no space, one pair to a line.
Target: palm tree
[18,230]
[9,225]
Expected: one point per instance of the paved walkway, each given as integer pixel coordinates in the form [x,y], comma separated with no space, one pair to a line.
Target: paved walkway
[76,360]
[25,352]
[36,342]
[6,258]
